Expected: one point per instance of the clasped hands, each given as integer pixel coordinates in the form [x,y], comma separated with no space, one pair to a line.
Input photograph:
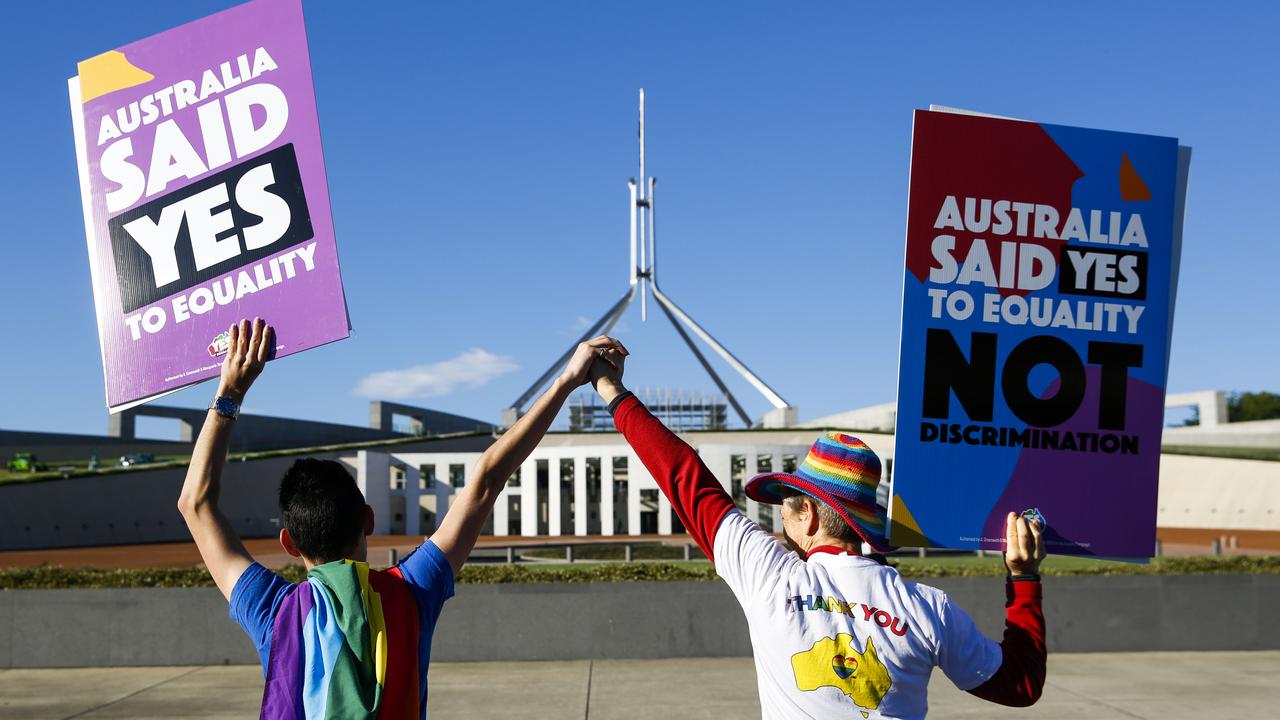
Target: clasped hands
[598,361]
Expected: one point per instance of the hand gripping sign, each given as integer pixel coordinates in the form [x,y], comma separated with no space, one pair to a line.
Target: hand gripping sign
[1041,264]
[205,197]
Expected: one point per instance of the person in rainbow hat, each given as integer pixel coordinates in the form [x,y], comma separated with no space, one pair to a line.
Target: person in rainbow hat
[837,633]
[349,641]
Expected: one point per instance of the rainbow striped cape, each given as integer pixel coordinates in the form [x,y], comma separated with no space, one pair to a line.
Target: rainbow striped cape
[344,645]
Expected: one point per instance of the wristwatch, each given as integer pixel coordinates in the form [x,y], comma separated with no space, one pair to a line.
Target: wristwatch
[1022,577]
[225,406]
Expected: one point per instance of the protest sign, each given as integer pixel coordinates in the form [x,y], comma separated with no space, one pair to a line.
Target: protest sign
[1040,269]
[205,197]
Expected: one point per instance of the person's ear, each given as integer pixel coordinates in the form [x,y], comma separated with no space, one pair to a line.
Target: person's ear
[286,542]
[368,520]
[810,519]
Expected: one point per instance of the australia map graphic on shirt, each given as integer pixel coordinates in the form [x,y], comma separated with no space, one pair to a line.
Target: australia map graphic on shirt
[836,662]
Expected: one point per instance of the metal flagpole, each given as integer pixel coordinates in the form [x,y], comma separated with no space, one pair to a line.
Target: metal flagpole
[642,203]
[644,273]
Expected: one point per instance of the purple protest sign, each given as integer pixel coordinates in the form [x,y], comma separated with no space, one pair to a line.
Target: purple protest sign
[205,197]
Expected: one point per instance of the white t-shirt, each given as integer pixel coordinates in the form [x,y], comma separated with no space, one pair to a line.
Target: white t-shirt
[841,636]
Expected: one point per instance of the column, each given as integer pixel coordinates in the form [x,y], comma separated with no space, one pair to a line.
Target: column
[529,498]
[373,477]
[606,495]
[776,466]
[716,458]
[638,478]
[500,511]
[581,505]
[664,514]
[553,496]
[441,491]
[412,505]
[633,496]
[750,471]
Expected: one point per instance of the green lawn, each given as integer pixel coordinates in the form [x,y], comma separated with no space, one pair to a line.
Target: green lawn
[109,466]
[80,468]
[1237,453]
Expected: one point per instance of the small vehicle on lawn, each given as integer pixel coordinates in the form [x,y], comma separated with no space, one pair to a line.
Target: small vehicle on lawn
[25,462]
[136,459]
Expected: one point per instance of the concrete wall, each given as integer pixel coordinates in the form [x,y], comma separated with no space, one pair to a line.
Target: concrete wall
[254,433]
[1205,492]
[68,628]
[876,417]
[141,506]
[423,421]
[1210,405]
[53,448]
[1253,433]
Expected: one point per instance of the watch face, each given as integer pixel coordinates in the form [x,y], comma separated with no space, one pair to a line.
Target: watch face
[226,407]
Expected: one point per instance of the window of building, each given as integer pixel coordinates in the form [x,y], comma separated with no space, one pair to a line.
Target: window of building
[764,463]
[737,476]
[458,475]
[883,491]
[593,480]
[620,483]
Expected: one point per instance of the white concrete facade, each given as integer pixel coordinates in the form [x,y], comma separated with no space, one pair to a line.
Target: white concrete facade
[1208,492]
[561,490]
[575,484]
[1210,405]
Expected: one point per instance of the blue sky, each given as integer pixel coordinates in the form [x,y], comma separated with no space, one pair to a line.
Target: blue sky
[478,155]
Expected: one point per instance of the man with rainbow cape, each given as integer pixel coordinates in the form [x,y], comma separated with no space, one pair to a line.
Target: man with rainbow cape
[349,641]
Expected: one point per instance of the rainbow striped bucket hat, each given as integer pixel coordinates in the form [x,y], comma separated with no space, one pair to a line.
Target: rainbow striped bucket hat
[841,471]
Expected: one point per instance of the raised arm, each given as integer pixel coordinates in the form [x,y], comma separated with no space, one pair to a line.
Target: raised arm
[457,534]
[220,548]
[1021,676]
[698,498]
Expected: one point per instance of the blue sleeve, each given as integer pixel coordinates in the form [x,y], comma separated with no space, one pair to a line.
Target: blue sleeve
[427,571]
[254,601]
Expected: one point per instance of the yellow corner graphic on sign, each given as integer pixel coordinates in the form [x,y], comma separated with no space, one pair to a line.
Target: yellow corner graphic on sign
[905,531]
[1131,185]
[107,73]
[835,662]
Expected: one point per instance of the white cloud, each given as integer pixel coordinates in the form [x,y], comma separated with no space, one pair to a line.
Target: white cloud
[575,329]
[471,369]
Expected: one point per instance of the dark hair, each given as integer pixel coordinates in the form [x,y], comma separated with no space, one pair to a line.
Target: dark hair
[323,509]
[828,519]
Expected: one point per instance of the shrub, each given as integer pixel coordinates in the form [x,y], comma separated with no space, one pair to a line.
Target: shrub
[53,577]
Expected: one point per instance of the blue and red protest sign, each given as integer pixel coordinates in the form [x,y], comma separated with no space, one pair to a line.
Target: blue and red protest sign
[205,197]
[1037,307]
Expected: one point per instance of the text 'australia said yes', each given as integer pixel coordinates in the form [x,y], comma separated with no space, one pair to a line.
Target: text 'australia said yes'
[1102,255]
[179,239]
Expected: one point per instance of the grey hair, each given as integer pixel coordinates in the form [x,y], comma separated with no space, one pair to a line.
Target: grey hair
[828,519]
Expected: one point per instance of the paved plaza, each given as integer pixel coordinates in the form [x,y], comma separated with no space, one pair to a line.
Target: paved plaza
[1096,686]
